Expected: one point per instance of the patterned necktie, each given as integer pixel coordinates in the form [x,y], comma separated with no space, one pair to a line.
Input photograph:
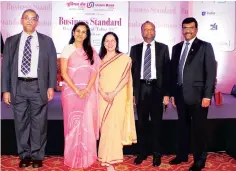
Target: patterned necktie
[147,63]
[181,63]
[26,60]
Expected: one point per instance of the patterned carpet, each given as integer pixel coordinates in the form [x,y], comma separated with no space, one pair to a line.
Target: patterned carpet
[215,162]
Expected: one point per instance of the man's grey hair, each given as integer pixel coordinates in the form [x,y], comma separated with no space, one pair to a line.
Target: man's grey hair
[30,10]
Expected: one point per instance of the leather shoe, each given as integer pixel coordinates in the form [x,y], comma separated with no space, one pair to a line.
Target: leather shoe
[177,160]
[139,159]
[197,166]
[156,160]
[37,163]
[24,162]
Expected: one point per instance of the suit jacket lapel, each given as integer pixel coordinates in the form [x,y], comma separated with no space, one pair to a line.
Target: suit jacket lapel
[139,56]
[41,46]
[16,51]
[178,51]
[192,52]
[157,52]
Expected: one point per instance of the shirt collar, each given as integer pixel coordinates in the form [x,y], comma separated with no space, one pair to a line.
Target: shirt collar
[190,41]
[152,43]
[34,34]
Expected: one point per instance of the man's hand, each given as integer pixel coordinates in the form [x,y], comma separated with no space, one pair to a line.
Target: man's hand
[173,101]
[206,102]
[7,98]
[134,100]
[166,100]
[50,94]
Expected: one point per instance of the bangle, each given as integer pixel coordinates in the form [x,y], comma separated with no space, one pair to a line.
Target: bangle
[77,91]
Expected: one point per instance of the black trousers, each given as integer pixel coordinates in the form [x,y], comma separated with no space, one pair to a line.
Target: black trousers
[150,104]
[30,117]
[192,124]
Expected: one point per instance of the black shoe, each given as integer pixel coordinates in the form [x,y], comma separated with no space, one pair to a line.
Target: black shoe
[37,163]
[156,159]
[177,160]
[139,159]
[197,166]
[25,162]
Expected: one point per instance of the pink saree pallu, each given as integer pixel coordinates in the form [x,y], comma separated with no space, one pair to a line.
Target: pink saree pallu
[81,118]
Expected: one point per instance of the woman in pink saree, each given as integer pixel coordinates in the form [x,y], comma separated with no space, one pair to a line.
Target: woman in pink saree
[117,124]
[79,66]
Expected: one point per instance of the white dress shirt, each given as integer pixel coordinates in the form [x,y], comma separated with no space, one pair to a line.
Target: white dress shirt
[153,59]
[35,54]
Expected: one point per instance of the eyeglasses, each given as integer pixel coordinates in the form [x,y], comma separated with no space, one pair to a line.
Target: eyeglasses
[33,19]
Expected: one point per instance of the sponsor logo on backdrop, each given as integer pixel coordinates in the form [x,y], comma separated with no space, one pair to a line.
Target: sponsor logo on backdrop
[72,4]
[83,5]
[204,13]
[213,26]
[90,4]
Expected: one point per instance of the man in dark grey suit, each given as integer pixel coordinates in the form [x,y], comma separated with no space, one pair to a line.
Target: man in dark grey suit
[29,72]
[193,73]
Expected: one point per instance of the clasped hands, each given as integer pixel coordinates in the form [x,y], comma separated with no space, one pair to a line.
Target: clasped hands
[108,96]
[82,93]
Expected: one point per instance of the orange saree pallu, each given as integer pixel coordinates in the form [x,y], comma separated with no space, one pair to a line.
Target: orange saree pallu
[117,123]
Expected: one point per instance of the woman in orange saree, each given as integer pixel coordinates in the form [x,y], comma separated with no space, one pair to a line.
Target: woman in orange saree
[117,124]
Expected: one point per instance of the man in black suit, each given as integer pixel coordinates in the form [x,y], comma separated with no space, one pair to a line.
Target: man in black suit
[151,81]
[29,71]
[193,73]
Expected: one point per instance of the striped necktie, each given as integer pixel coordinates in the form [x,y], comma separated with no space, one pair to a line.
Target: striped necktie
[181,63]
[26,60]
[147,63]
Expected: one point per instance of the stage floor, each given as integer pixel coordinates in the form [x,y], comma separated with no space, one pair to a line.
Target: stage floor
[227,110]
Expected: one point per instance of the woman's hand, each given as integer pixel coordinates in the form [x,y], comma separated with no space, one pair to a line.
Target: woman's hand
[105,96]
[111,96]
[83,93]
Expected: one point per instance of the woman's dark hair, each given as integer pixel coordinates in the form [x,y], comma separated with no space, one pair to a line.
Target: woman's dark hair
[103,50]
[190,20]
[87,43]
